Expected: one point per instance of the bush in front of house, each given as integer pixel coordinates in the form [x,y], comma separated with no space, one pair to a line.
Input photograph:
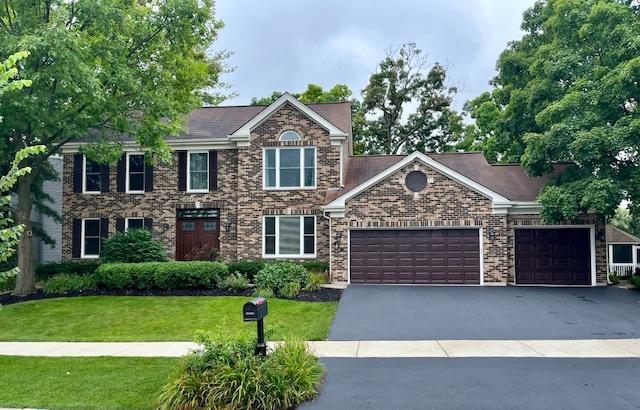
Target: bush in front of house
[236,281]
[316,280]
[66,282]
[227,375]
[47,270]
[7,283]
[247,268]
[276,275]
[316,266]
[161,275]
[290,290]
[635,281]
[133,245]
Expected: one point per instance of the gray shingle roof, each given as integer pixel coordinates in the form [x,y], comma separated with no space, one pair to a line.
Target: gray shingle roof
[617,235]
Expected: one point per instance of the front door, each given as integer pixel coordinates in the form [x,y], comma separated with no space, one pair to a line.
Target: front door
[196,236]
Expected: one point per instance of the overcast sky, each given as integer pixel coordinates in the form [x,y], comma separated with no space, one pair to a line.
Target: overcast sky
[286,44]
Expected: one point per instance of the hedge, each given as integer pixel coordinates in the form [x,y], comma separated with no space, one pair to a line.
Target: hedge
[161,275]
[247,268]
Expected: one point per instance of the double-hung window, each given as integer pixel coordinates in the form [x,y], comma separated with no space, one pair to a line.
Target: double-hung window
[135,173]
[198,171]
[91,239]
[91,177]
[133,223]
[289,236]
[289,168]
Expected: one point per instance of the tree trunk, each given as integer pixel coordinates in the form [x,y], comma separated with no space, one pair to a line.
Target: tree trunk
[25,282]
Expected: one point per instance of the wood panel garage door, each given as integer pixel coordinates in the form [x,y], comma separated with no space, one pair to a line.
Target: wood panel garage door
[445,256]
[553,256]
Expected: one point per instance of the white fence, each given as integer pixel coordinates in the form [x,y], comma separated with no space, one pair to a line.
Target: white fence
[623,269]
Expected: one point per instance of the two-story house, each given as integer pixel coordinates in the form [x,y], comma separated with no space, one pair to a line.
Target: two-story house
[280,182]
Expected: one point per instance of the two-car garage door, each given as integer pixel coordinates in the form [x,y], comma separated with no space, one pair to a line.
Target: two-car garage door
[429,256]
[554,256]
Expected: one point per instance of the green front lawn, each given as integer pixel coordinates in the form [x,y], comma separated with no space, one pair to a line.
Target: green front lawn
[155,318]
[83,383]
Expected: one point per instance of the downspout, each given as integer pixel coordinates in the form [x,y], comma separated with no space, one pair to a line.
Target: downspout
[330,248]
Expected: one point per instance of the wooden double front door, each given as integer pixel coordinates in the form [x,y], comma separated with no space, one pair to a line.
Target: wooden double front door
[196,237]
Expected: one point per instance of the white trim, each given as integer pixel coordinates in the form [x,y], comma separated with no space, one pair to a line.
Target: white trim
[592,250]
[278,255]
[419,228]
[244,132]
[126,222]
[341,163]
[189,172]
[330,248]
[126,180]
[277,187]
[84,179]
[82,237]
[497,199]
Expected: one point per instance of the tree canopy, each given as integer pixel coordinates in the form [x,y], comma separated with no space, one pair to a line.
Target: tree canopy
[313,94]
[100,70]
[569,91]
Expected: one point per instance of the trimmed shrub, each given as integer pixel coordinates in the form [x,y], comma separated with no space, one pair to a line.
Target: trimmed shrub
[161,275]
[264,293]
[276,275]
[235,281]
[227,375]
[133,245]
[316,280]
[289,290]
[47,270]
[195,274]
[316,266]
[635,281]
[614,278]
[247,268]
[65,283]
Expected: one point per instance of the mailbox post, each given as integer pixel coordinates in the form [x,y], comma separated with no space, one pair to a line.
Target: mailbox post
[255,311]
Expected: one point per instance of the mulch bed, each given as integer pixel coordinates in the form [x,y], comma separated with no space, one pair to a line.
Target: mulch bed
[323,295]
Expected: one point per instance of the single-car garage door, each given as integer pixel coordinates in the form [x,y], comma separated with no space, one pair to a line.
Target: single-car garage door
[439,256]
[553,256]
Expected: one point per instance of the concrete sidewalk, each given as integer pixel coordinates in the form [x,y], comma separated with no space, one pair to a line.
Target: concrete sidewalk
[588,348]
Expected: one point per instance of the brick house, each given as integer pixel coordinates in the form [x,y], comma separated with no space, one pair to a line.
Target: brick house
[279,182]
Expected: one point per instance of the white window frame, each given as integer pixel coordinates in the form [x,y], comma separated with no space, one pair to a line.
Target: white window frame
[189,189]
[291,131]
[82,238]
[126,222]
[277,187]
[127,177]
[633,251]
[84,179]
[279,255]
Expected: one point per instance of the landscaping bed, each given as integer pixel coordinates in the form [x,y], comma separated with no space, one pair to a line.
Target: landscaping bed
[321,295]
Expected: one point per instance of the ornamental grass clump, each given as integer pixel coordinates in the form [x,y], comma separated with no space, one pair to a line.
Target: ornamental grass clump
[226,374]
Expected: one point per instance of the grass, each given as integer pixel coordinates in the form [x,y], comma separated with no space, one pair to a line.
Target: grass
[79,382]
[155,318]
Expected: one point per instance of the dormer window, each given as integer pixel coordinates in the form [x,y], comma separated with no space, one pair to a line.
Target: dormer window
[289,136]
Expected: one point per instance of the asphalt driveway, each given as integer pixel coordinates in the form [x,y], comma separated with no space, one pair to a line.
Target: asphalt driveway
[480,384]
[379,312]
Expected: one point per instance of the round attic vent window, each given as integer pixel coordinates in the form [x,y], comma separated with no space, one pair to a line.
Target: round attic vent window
[416,181]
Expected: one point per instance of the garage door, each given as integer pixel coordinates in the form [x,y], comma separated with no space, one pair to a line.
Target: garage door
[445,256]
[553,256]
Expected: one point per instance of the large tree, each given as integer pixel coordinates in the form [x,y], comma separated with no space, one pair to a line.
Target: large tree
[569,91]
[313,94]
[404,80]
[114,67]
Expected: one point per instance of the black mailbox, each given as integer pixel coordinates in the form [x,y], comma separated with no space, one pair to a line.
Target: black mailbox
[255,310]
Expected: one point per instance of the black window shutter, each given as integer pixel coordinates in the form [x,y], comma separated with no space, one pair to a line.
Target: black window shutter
[76,238]
[119,224]
[104,231]
[148,224]
[182,170]
[77,173]
[148,177]
[213,170]
[104,178]
[121,170]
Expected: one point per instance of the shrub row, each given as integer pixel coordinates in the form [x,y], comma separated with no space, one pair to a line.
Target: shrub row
[65,282]
[161,275]
[47,270]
